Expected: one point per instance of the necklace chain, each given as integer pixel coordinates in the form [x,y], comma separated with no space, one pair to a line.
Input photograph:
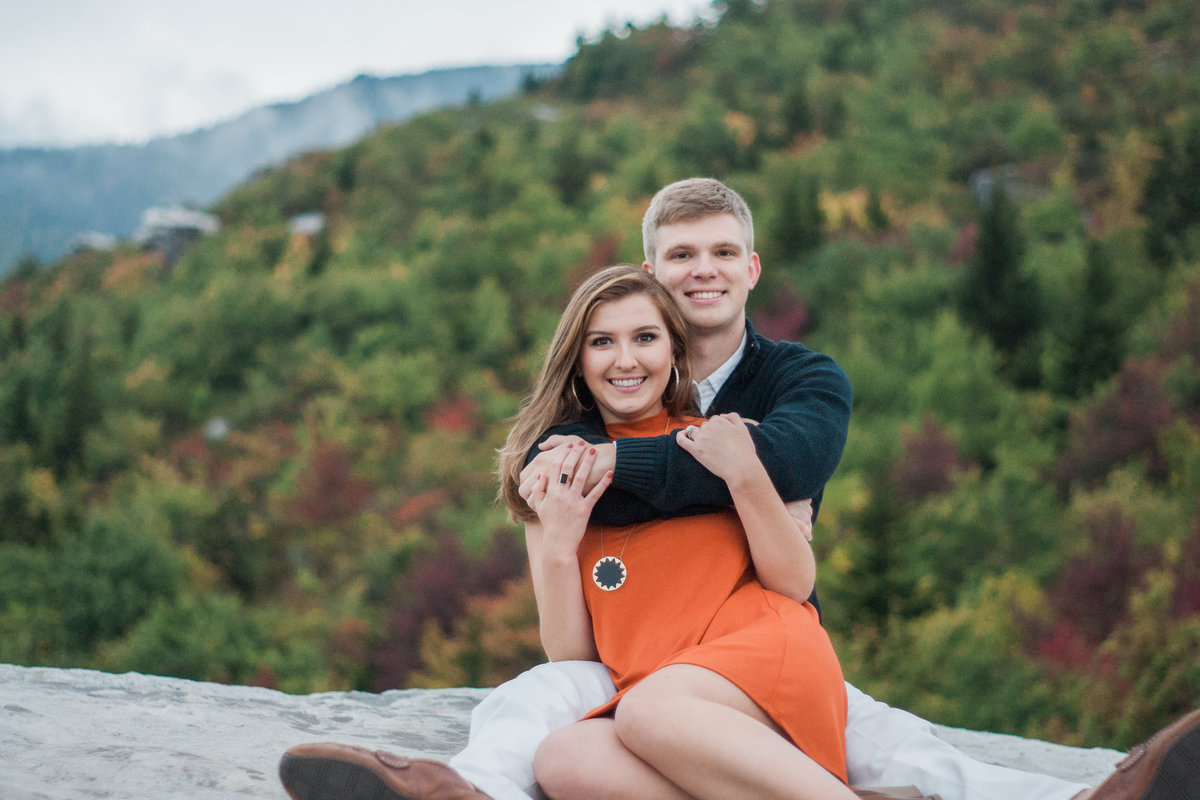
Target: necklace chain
[628,536]
[609,572]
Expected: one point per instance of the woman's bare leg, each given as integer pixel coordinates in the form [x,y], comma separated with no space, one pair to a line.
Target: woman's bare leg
[707,737]
[586,761]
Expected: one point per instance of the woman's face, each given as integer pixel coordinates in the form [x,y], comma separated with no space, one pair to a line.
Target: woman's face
[626,358]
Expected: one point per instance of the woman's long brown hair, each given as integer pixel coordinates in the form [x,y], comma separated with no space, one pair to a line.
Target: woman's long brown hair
[552,400]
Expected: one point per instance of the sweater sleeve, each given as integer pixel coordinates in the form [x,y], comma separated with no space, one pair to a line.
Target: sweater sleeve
[801,400]
[616,506]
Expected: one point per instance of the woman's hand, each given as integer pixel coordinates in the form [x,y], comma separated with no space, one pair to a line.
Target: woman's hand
[561,500]
[553,448]
[562,503]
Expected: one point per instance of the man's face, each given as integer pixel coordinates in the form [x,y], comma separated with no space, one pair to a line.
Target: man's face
[708,268]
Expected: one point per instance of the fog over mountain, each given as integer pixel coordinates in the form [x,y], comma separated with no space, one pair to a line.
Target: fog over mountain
[49,197]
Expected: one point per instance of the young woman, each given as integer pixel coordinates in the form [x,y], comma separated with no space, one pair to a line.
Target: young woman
[728,685]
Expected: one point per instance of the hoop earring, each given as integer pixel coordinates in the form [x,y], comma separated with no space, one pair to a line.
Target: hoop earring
[669,394]
[575,392]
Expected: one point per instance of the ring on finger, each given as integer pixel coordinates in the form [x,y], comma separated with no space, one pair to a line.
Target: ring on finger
[562,478]
[690,431]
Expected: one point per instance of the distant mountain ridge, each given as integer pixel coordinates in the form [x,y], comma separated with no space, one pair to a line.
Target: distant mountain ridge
[48,197]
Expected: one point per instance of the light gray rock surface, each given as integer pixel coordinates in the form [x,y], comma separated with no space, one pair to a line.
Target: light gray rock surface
[78,735]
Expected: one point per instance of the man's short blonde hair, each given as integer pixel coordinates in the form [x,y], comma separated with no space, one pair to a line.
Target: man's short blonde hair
[691,199]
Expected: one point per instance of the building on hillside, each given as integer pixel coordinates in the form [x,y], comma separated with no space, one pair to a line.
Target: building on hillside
[308,224]
[170,229]
[92,241]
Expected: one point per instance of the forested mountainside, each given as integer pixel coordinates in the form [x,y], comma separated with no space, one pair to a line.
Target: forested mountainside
[271,461]
[50,197]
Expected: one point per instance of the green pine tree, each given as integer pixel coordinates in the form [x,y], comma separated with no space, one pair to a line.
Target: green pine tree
[1171,199]
[996,297]
[1094,348]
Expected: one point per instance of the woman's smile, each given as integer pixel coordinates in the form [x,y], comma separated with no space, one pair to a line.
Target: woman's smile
[626,359]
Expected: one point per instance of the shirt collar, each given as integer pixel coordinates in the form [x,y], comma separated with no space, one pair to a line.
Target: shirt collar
[707,389]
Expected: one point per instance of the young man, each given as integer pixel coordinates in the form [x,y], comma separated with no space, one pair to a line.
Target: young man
[698,240]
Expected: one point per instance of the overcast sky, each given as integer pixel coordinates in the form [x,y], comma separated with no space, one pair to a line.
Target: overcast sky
[86,71]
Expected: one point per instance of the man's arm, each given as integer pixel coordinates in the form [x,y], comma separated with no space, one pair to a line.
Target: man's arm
[802,401]
[780,551]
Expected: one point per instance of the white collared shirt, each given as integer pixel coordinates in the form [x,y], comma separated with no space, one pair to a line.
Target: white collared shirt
[707,389]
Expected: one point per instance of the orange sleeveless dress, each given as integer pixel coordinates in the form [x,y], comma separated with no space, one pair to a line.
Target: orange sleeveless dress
[690,596]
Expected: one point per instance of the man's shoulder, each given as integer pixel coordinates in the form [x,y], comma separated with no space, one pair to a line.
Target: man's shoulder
[772,350]
[782,364]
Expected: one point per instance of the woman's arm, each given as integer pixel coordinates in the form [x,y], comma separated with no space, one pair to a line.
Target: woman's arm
[780,550]
[553,546]
[563,619]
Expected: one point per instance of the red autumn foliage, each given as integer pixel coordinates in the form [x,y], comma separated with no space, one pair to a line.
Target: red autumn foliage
[430,589]
[1185,602]
[453,415]
[420,506]
[349,641]
[242,458]
[188,452]
[265,676]
[1063,645]
[1183,333]
[604,252]
[197,460]
[436,587]
[1092,589]
[13,299]
[964,244]
[505,560]
[931,459]
[1120,425]
[327,491]
[785,317]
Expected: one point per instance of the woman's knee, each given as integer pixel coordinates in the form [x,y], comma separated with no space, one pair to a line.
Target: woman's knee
[565,761]
[552,763]
[646,717]
[649,716]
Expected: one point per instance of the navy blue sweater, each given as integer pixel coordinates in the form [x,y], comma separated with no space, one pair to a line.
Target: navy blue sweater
[801,401]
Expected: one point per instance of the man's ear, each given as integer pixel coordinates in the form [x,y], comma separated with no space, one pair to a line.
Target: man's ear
[755,267]
[648,267]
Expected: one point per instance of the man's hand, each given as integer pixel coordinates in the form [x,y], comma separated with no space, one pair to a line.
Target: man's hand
[723,445]
[801,512]
[552,451]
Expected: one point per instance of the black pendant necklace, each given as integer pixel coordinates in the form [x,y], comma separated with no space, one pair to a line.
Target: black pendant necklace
[610,572]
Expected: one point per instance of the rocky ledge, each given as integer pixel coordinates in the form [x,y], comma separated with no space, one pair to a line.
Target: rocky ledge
[72,734]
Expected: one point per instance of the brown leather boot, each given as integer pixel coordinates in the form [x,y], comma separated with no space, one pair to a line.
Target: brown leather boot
[328,771]
[1166,767]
